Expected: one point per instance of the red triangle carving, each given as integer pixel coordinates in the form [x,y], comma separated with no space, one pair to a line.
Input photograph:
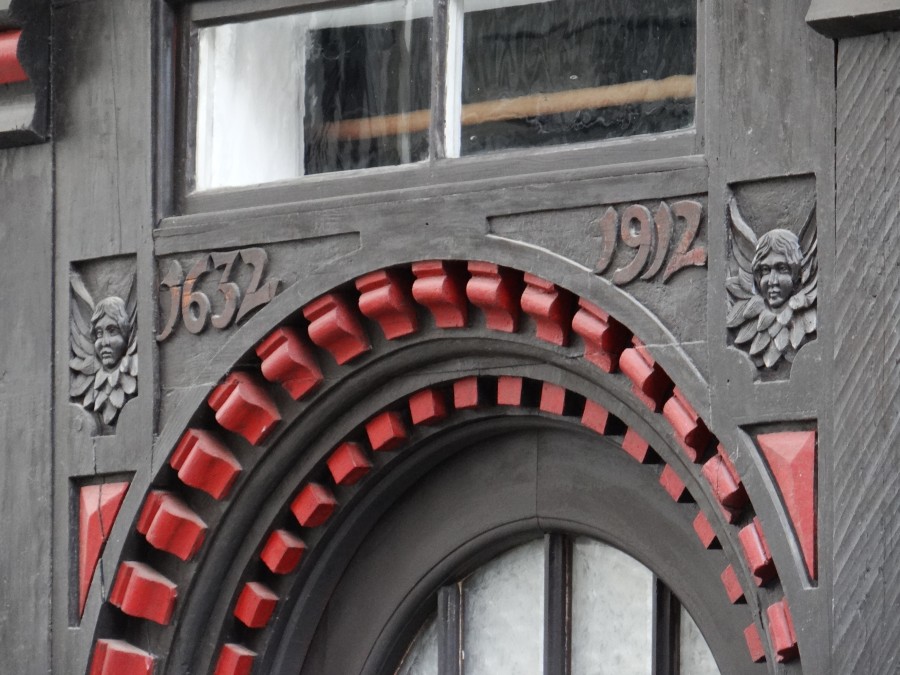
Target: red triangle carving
[98,506]
[792,458]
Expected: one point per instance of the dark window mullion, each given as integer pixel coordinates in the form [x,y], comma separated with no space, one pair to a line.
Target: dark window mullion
[449,620]
[666,629]
[557,604]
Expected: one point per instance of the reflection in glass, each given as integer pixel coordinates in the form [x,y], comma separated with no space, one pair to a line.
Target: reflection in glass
[330,90]
[503,614]
[422,656]
[539,72]
[695,657]
[612,612]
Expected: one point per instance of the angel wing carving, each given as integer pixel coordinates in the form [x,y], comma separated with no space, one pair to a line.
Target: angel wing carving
[772,299]
[103,343]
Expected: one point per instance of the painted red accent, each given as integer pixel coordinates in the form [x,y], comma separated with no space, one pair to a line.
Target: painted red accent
[509,390]
[244,407]
[141,591]
[282,552]
[672,484]
[604,337]
[336,328]
[465,393]
[724,481]
[385,298]
[551,309]
[754,644]
[756,552]
[170,525]
[495,291]
[649,382]
[235,660]
[690,430]
[636,446]
[289,361]
[705,531]
[553,398]
[98,506]
[386,431]
[204,463]
[732,585]
[314,505]
[781,632]
[255,605]
[427,407]
[792,457]
[117,657]
[348,463]
[10,69]
[595,417]
[440,286]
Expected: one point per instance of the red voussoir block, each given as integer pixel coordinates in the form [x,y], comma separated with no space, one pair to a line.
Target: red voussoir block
[282,552]
[781,632]
[386,431]
[427,407]
[551,309]
[141,591]
[117,657]
[204,463]
[98,507]
[170,525]
[724,481]
[313,505]
[673,485]
[756,552]
[690,430]
[348,463]
[234,659]
[288,361]
[244,407]
[705,532]
[11,70]
[553,398]
[255,605]
[495,291]
[649,382]
[595,417]
[465,393]
[509,390]
[754,644]
[335,327]
[604,338]
[385,298]
[440,286]
[732,585]
[636,446]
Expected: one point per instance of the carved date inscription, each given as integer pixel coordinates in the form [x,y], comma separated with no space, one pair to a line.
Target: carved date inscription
[650,234]
[230,303]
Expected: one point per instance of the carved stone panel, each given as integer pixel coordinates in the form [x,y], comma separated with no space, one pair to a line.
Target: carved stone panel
[772,279]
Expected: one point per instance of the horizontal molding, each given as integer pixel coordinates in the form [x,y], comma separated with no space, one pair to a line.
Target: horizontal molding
[851,18]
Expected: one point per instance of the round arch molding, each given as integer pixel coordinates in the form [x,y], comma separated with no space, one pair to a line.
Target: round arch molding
[277,479]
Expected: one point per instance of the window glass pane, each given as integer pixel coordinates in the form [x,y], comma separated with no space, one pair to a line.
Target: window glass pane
[422,657]
[695,657]
[539,72]
[612,612]
[503,614]
[330,90]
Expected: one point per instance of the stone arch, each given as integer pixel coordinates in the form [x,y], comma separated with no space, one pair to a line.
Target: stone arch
[365,370]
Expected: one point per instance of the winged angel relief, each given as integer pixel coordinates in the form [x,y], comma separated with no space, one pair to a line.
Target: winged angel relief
[104,363]
[772,309]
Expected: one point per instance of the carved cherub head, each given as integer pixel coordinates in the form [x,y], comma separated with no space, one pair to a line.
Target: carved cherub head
[110,329]
[776,267]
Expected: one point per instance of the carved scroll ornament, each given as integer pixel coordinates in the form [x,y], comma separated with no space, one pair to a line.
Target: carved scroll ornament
[104,362]
[772,299]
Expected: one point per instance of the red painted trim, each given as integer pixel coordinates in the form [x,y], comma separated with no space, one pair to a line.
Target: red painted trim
[235,659]
[141,591]
[255,605]
[98,507]
[117,657]
[10,69]
[754,644]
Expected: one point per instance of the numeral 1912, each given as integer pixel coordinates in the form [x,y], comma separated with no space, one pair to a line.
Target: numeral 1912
[196,309]
[650,234]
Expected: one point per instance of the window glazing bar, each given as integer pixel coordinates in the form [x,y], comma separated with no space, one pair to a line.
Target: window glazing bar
[449,619]
[557,601]
[666,629]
